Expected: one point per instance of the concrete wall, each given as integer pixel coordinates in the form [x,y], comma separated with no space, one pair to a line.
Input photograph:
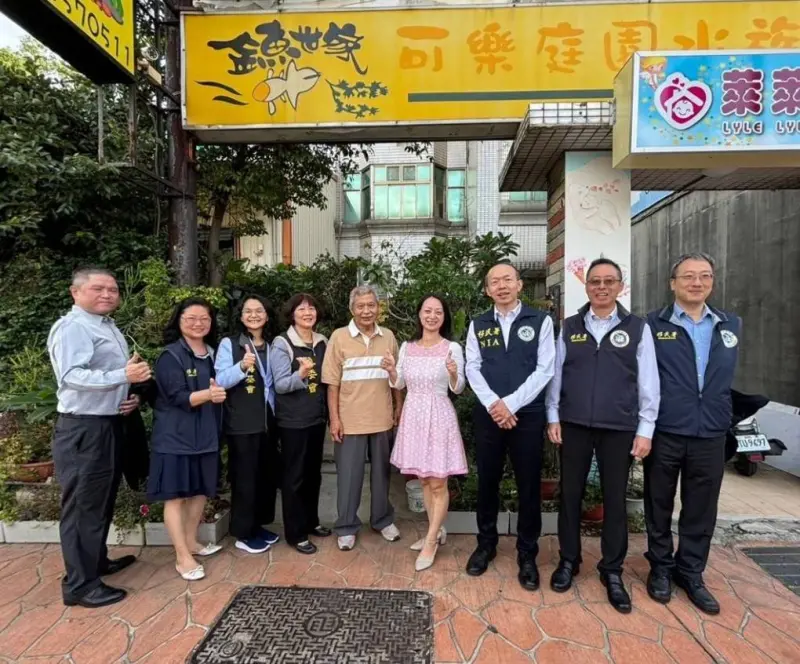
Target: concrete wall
[755,238]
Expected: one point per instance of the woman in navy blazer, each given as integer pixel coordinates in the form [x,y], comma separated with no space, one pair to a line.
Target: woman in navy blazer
[184,458]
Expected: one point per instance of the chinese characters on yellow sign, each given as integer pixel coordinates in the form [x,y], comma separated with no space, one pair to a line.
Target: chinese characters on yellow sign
[444,65]
[109,24]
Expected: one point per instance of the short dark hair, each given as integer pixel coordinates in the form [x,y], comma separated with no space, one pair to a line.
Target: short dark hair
[693,256]
[172,332]
[82,274]
[270,327]
[509,263]
[295,301]
[604,261]
[446,329]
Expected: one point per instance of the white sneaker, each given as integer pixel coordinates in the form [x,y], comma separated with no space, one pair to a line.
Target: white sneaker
[347,542]
[390,533]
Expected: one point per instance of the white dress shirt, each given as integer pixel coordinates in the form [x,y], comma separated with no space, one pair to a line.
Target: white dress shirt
[533,385]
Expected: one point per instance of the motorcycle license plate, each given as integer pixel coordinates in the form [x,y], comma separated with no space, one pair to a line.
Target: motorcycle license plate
[752,443]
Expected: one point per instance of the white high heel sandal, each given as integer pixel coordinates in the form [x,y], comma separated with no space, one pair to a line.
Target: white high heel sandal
[422,562]
[441,539]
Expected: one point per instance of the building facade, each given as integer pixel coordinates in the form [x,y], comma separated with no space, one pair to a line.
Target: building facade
[403,200]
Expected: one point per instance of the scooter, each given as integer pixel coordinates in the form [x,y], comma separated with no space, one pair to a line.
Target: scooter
[744,439]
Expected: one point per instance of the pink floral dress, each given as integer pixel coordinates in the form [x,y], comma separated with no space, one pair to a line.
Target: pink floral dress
[428,441]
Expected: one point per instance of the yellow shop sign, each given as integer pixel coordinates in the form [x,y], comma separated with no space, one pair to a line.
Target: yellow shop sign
[249,71]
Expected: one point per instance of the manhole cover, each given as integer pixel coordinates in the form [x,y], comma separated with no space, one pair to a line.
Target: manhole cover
[321,626]
[782,562]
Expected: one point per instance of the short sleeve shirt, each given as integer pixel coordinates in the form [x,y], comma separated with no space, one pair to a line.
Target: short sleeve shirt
[353,363]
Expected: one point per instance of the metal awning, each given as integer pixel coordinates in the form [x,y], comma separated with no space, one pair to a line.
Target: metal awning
[551,129]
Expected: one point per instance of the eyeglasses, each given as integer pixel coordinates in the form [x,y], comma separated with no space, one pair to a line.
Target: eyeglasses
[194,320]
[608,282]
[704,277]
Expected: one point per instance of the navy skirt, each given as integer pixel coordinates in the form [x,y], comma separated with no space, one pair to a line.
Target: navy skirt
[182,476]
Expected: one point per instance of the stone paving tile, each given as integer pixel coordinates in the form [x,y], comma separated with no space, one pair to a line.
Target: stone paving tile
[486,619]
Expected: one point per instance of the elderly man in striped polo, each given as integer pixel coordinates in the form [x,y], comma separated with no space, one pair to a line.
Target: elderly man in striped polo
[362,415]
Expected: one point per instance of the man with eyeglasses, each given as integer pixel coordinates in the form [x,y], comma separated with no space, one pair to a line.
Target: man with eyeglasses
[603,400]
[697,349]
[510,355]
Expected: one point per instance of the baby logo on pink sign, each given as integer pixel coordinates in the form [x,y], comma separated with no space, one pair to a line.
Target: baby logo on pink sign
[681,102]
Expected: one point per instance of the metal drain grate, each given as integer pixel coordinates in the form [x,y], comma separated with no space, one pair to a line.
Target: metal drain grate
[782,562]
[321,626]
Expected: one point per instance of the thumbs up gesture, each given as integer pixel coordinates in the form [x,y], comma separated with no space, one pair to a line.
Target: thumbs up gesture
[215,392]
[452,367]
[249,359]
[137,370]
[388,362]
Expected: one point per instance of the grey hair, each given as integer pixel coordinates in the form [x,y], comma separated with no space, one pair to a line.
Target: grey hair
[360,291]
[83,274]
[693,256]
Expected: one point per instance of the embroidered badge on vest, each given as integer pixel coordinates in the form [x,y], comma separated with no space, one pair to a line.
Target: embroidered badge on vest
[312,377]
[250,381]
[620,339]
[485,337]
[729,338]
[667,336]
[578,338]
[191,373]
[526,333]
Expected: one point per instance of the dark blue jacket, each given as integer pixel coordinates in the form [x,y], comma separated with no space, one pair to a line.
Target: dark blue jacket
[179,427]
[685,410]
[505,369]
[599,382]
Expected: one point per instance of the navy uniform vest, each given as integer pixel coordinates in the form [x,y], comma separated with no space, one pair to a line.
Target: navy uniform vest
[304,408]
[505,369]
[684,409]
[599,382]
[245,409]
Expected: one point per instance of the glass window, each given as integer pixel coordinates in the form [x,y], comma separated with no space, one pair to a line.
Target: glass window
[527,196]
[455,178]
[380,173]
[395,202]
[423,173]
[352,206]
[393,173]
[409,173]
[409,201]
[456,195]
[353,181]
[423,201]
[381,202]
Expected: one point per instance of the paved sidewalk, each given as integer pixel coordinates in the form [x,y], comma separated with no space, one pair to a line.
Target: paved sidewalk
[489,619]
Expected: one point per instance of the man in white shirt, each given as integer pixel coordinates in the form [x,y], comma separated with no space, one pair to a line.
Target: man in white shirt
[510,360]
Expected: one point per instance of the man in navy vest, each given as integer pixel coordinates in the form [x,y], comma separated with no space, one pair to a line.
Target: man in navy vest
[510,357]
[603,399]
[697,349]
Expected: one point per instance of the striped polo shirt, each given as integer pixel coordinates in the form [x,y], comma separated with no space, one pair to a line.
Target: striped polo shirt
[353,363]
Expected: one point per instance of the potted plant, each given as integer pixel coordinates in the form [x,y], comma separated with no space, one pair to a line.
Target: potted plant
[592,503]
[131,513]
[30,514]
[634,495]
[27,453]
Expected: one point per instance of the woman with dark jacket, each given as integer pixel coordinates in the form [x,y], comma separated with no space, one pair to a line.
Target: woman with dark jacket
[301,410]
[249,427]
[185,441]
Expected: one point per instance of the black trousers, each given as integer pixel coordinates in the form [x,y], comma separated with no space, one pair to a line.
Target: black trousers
[613,450]
[301,455]
[87,451]
[700,463]
[523,444]
[253,470]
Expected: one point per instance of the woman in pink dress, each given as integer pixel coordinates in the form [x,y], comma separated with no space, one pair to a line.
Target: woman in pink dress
[428,442]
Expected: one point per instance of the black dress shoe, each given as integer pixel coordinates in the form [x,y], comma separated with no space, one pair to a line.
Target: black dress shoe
[617,595]
[116,565]
[659,586]
[306,547]
[698,594]
[528,573]
[321,531]
[561,581]
[103,595]
[479,561]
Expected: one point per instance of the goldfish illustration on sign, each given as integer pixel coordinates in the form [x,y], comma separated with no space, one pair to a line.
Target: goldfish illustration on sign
[112,9]
[288,86]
